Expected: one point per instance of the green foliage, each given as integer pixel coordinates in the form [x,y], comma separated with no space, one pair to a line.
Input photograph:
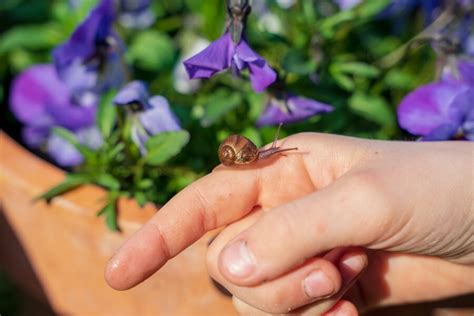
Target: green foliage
[71,138]
[164,146]
[218,104]
[71,182]
[30,37]
[106,114]
[109,211]
[152,50]
[318,51]
[373,108]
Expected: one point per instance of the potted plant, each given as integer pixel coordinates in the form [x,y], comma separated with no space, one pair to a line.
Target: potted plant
[57,251]
[130,100]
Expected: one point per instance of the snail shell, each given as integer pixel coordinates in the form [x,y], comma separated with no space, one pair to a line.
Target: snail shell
[237,149]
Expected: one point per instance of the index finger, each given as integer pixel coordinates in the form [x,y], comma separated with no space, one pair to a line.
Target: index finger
[211,202]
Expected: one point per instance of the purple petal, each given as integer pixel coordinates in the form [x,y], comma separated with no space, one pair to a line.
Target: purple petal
[83,42]
[295,109]
[40,99]
[32,90]
[443,132]
[159,118]
[261,75]
[462,105]
[34,137]
[461,71]
[466,69]
[468,126]
[133,92]
[245,53]
[428,107]
[71,116]
[90,61]
[65,154]
[90,137]
[79,78]
[215,58]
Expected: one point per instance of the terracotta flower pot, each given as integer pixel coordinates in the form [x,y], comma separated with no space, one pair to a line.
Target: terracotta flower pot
[67,246]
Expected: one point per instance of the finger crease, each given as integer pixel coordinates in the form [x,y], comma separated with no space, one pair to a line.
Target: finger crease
[162,241]
[207,217]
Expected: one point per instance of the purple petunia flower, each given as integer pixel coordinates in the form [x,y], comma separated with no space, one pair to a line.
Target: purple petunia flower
[291,109]
[41,101]
[90,61]
[223,54]
[65,154]
[461,71]
[442,110]
[151,115]
[181,81]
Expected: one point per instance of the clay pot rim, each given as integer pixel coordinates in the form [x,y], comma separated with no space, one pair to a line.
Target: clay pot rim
[36,176]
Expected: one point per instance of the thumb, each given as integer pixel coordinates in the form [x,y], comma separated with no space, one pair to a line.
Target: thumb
[350,212]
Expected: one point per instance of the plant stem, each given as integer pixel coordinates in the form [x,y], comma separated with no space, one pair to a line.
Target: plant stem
[394,57]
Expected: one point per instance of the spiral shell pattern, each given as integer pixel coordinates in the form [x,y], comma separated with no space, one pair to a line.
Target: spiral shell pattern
[237,149]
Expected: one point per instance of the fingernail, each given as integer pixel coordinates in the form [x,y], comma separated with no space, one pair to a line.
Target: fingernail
[355,263]
[317,284]
[238,260]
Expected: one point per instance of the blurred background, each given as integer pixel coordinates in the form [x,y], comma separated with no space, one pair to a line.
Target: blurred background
[358,58]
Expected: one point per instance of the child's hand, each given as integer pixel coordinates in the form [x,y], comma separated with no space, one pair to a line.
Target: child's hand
[411,204]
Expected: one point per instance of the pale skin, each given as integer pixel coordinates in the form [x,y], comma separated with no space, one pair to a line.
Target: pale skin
[341,225]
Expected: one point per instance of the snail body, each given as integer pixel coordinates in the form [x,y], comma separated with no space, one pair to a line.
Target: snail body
[239,150]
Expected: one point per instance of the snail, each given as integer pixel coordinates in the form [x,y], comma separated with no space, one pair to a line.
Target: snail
[239,150]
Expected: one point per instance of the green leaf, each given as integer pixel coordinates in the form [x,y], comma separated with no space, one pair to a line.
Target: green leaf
[328,25]
[145,184]
[357,69]
[368,9]
[115,150]
[164,146]
[30,37]
[106,114]
[72,139]
[140,197]
[296,62]
[110,212]
[212,15]
[256,102]
[70,182]
[344,81]
[400,79]
[373,108]
[220,103]
[107,181]
[152,50]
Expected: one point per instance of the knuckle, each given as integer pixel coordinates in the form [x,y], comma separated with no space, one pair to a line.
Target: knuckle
[162,241]
[367,183]
[376,204]
[207,216]
[369,187]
